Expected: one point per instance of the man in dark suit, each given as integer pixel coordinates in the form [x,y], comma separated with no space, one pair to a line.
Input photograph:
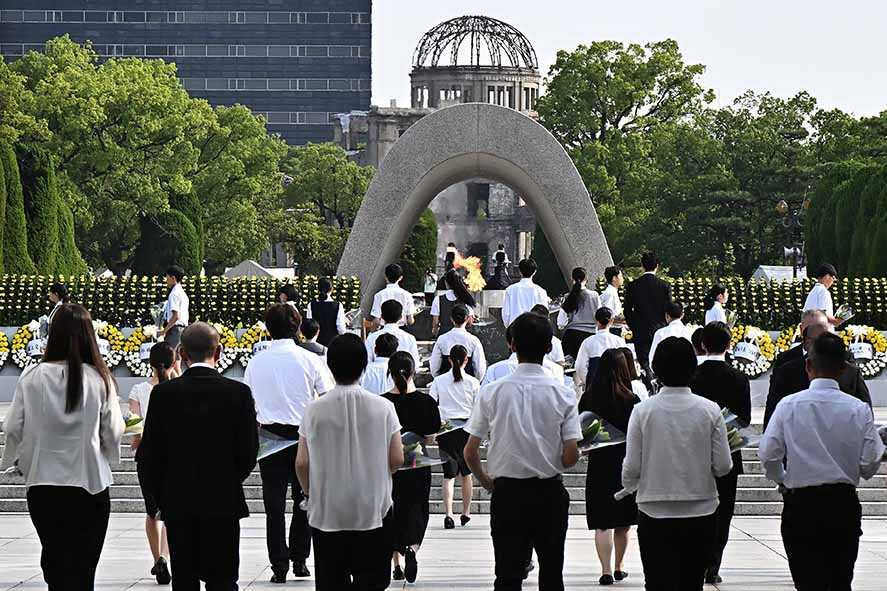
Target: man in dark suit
[645,300]
[791,376]
[201,498]
[719,382]
[808,318]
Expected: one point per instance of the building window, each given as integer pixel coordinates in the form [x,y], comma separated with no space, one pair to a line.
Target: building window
[478,200]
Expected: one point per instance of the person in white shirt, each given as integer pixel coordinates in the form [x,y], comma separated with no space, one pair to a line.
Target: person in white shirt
[674,313]
[502,369]
[819,297]
[175,311]
[610,295]
[328,313]
[455,392]
[523,295]
[393,291]
[477,361]
[58,296]
[310,331]
[441,308]
[162,362]
[593,347]
[284,380]
[350,447]
[675,447]
[576,316]
[430,286]
[637,385]
[376,378]
[557,347]
[714,304]
[698,347]
[817,446]
[392,312]
[63,432]
[533,429]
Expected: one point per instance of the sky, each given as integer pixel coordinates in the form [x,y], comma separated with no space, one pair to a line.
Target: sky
[834,50]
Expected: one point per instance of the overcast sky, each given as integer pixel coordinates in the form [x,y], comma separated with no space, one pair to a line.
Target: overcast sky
[835,50]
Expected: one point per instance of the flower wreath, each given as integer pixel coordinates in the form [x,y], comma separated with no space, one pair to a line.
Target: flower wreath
[753,350]
[116,342]
[869,348]
[788,338]
[230,347]
[4,348]
[132,348]
[20,340]
[257,332]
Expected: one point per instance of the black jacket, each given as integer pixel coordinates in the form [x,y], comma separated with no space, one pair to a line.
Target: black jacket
[200,443]
[729,388]
[791,378]
[645,301]
[792,354]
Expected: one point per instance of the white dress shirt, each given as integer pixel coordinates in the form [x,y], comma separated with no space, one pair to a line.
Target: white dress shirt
[502,369]
[394,291]
[341,324]
[405,342]
[675,328]
[348,432]
[820,298]
[557,351]
[375,378]
[177,301]
[450,295]
[520,298]
[610,299]
[675,447]
[716,314]
[284,379]
[57,448]
[455,399]
[141,393]
[528,416]
[827,437]
[459,336]
[594,346]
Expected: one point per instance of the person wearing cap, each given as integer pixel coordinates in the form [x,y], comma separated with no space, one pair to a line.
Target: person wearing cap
[175,311]
[819,297]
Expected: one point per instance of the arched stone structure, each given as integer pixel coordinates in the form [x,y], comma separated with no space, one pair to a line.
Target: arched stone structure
[460,143]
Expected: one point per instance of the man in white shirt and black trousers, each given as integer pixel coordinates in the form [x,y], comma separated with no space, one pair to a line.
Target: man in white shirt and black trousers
[817,445]
[284,379]
[533,428]
[523,295]
[175,311]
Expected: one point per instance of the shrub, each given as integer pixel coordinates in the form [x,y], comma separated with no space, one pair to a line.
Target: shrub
[167,239]
[16,258]
[419,252]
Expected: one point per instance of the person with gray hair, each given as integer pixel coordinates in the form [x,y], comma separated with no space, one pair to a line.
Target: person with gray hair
[808,318]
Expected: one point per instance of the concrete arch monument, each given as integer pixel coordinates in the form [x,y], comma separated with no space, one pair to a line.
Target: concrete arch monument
[459,143]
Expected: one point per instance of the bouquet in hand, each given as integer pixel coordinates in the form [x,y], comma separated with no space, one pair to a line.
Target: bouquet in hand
[844,313]
[732,318]
[451,425]
[134,425]
[597,432]
[739,434]
[414,453]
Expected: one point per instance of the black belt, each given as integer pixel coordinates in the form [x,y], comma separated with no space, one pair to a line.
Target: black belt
[290,432]
[533,480]
[835,487]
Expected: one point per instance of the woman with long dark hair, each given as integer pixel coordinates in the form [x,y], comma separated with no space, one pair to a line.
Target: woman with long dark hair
[576,317]
[714,302]
[456,293]
[417,413]
[163,368]
[454,392]
[637,384]
[64,430]
[609,396]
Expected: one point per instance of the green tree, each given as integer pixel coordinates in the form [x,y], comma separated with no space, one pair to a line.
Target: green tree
[2,210]
[420,252]
[167,239]
[16,259]
[868,216]
[70,261]
[549,275]
[16,108]
[315,246]
[41,199]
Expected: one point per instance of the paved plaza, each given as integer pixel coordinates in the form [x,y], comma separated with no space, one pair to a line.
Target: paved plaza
[457,559]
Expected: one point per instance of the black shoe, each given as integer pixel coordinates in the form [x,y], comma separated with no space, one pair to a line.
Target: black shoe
[300,570]
[620,574]
[713,579]
[606,580]
[411,566]
[278,578]
[449,523]
[464,519]
[398,573]
[161,571]
[529,568]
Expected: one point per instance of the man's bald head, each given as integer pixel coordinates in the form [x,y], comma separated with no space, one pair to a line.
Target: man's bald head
[200,344]
[811,317]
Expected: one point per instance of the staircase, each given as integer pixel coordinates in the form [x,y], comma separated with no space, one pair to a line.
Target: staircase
[756,495]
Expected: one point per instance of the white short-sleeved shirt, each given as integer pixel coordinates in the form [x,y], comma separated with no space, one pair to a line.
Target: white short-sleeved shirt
[610,299]
[675,328]
[595,346]
[141,393]
[503,369]
[716,314]
[341,323]
[455,399]
[819,298]
[284,379]
[375,377]
[177,301]
[435,305]
[405,342]
[394,291]
[348,432]
[520,298]
[459,336]
[528,417]
[557,351]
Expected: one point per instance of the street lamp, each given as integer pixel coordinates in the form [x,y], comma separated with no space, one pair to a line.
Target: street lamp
[793,221]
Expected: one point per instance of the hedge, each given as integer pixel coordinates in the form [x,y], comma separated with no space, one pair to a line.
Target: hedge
[127,301]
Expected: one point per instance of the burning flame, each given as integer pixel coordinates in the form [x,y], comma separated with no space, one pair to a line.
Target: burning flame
[475,280]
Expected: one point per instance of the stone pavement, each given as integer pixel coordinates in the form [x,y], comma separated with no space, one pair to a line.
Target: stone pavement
[457,559]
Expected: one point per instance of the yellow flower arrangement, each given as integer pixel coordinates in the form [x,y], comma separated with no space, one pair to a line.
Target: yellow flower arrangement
[133,346]
[788,337]
[20,340]
[116,343]
[758,343]
[230,347]
[4,348]
[868,346]
[257,332]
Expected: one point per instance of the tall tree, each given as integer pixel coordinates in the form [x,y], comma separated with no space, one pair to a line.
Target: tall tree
[41,198]
[16,259]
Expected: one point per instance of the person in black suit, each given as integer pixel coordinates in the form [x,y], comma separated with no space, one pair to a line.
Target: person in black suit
[730,388]
[644,309]
[791,376]
[808,318]
[201,501]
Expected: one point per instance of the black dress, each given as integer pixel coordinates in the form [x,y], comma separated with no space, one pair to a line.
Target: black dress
[417,413]
[604,476]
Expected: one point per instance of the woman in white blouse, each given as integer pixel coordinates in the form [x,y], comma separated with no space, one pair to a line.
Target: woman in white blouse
[455,392]
[714,304]
[64,430]
[162,361]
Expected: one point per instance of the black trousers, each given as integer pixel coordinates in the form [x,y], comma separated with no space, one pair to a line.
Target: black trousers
[821,526]
[71,525]
[572,341]
[353,560]
[674,551]
[279,475]
[205,548]
[642,346]
[526,515]
[723,518]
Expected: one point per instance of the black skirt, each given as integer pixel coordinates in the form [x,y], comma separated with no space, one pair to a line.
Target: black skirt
[409,516]
[602,481]
[573,340]
[451,446]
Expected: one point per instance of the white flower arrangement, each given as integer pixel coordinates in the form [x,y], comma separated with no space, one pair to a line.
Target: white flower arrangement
[230,347]
[869,348]
[753,350]
[134,361]
[255,334]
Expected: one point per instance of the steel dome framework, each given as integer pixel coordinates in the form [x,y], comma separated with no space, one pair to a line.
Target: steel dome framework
[486,37]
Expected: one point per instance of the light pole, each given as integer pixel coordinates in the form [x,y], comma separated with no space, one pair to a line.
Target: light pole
[793,220]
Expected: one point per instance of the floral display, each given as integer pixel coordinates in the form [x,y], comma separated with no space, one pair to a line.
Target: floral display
[788,338]
[132,348]
[753,350]
[20,340]
[869,348]
[110,333]
[230,347]
[257,332]
[4,349]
